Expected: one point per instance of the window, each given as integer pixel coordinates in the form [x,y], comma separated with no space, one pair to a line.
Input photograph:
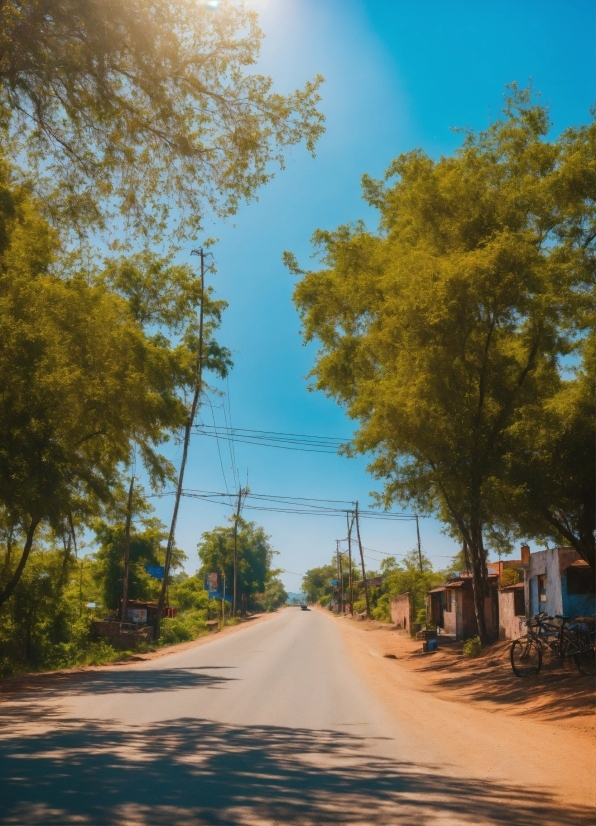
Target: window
[542,592]
[580,580]
[519,602]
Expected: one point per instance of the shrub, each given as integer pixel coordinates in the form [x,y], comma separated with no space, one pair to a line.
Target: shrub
[472,647]
[186,626]
[324,600]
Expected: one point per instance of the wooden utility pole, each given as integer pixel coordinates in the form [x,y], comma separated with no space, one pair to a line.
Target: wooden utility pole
[362,561]
[187,431]
[236,518]
[351,573]
[419,549]
[342,598]
[124,614]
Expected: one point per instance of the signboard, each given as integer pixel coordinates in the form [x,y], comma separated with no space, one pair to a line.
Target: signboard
[334,582]
[136,614]
[156,571]
[212,582]
[90,605]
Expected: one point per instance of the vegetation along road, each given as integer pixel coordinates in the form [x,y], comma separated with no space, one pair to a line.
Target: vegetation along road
[284,721]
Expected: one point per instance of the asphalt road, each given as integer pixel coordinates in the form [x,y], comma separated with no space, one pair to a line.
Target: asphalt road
[271,724]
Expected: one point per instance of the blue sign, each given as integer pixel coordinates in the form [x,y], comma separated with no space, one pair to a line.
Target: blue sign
[218,595]
[156,571]
[334,582]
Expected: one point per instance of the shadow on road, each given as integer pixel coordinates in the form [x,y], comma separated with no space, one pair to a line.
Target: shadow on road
[129,681]
[189,771]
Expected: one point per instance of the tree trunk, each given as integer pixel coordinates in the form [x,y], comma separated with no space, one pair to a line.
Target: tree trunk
[478,581]
[14,580]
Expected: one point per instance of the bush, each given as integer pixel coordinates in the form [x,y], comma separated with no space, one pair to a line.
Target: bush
[324,600]
[472,647]
[382,610]
[186,626]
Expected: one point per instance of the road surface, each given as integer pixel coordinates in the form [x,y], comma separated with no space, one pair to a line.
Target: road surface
[272,724]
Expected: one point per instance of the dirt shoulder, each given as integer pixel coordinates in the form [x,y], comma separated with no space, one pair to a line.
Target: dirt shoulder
[37,680]
[558,696]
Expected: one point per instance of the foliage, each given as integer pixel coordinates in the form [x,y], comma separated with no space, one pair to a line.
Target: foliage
[438,332]
[510,576]
[186,626]
[274,596]
[145,111]
[472,647]
[189,594]
[315,581]
[254,554]
[402,577]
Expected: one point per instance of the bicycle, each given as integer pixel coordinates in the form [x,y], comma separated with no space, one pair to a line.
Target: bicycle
[569,639]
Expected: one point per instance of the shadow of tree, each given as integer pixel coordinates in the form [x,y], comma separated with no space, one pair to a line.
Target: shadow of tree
[559,692]
[128,681]
[190,771]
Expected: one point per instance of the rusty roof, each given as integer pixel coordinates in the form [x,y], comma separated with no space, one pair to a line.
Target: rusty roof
[518,586]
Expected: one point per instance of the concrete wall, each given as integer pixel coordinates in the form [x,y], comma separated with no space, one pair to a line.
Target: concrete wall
[402,612]
[511,626]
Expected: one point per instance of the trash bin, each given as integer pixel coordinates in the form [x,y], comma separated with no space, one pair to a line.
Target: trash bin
[432,645]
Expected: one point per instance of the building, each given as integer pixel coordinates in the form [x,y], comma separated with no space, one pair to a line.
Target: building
[451,607]
[558,581]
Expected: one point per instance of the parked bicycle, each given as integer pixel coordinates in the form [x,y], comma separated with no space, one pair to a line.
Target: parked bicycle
[565,640]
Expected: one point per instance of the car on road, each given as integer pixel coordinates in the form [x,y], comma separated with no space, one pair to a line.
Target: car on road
[303,606]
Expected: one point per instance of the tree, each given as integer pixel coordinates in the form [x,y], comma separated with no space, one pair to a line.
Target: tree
[405,577]
[255,554]
[316,580]
[143,111]
[439,330]
[552,488]
[74,397]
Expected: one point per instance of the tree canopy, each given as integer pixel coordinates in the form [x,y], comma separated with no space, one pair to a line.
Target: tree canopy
[146,112]
[441,329]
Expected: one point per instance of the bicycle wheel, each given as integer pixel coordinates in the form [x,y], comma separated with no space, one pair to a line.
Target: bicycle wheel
[526,657]
[586,662]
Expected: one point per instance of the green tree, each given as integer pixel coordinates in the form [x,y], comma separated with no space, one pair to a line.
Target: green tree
[315,582]
[439,330]
[405,577]
[255,554]
[74,397]
[551,490]
[143,111]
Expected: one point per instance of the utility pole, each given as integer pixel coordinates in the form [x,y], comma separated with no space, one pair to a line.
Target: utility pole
[351,574]
[419,549]
[124,614]
[189,423]
[362,561]
[341,582]
[237,517]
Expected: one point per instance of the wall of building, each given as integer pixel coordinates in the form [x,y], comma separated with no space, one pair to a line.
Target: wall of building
[511,625]
[402,612]
[553,563]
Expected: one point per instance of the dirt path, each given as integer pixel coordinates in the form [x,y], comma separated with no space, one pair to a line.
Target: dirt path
[542,730]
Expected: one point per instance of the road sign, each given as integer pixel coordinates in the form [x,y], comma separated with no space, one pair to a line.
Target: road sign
[156,571]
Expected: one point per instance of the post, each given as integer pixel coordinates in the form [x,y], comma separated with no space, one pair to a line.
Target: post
[237,517]
[362,561]
[341,582]
[81,589]
[223,600]
[419,550]
[187,431]
[124,613]
[351,574]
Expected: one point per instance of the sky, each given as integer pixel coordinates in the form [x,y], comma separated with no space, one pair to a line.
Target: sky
[399,74]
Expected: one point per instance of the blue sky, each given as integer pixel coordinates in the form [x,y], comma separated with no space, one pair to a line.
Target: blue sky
[399,75]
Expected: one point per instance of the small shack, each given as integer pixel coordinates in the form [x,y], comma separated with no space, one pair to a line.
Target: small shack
[402,612]
[452,607]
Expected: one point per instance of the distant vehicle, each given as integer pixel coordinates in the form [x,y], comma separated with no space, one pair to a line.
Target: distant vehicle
[303,606]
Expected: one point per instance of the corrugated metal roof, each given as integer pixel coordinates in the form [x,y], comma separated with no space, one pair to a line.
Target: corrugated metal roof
[519,586]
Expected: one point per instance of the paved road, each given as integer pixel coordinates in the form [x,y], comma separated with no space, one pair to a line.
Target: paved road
[269,725]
